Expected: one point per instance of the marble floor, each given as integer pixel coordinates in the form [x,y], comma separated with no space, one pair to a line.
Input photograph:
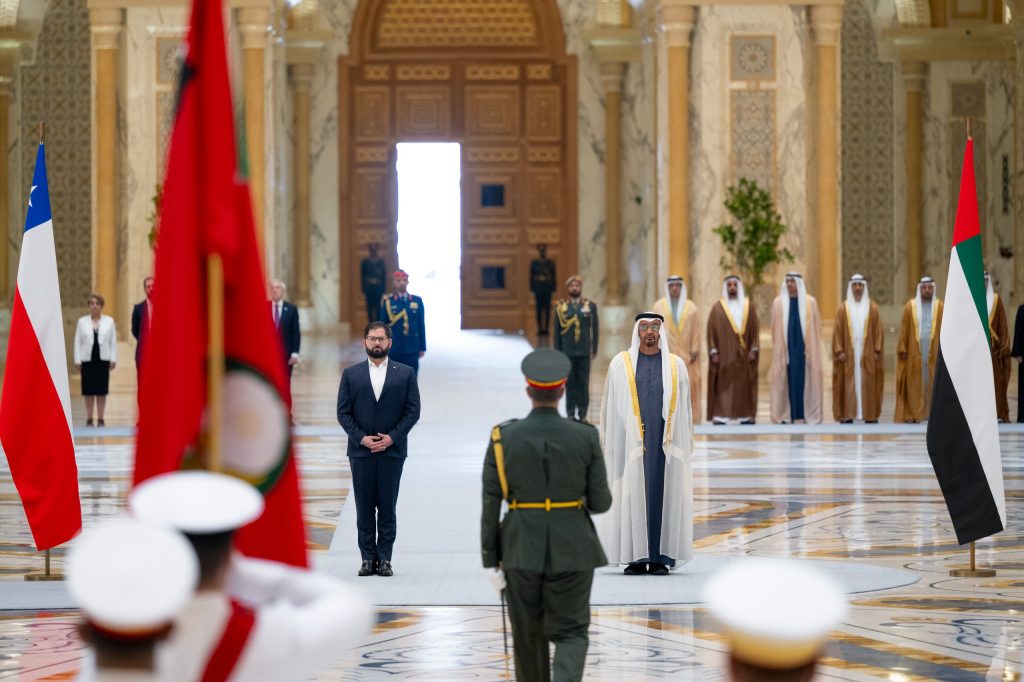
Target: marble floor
[862,500]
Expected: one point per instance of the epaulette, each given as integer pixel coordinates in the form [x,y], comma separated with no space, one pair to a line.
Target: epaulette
[506,423]
[582,423]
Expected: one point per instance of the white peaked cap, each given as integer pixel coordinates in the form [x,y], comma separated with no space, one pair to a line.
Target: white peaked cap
[777,613]
[130,578]
[196,502]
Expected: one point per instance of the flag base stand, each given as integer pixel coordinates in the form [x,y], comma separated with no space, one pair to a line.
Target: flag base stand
[973,571]
[46,574]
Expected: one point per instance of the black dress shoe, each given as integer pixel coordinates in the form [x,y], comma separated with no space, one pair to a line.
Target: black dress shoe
[658,569]
[635,569]
[368,568]
[385,569]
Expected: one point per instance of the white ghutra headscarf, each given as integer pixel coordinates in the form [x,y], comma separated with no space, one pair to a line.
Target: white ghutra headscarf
[734,307]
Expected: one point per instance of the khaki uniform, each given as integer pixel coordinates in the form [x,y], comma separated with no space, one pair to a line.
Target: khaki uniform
[548,556]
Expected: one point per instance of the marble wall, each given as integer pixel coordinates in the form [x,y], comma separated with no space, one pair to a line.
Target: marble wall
[983,91]
[750,77]
[53,86]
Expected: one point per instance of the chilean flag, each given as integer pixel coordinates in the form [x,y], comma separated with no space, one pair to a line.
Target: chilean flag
[35,406]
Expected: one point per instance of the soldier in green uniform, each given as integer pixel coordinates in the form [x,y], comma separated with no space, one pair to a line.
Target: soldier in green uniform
[542,284]
[551,472]
[372,275]
[576,336]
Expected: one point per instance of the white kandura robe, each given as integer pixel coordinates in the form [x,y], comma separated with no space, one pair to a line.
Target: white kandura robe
[623,529]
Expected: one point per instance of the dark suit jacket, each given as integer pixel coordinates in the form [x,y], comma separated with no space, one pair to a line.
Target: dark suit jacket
[291,337]
[140,324]
[397,411]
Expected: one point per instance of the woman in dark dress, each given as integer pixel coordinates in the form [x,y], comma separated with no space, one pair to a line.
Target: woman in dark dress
[95,356]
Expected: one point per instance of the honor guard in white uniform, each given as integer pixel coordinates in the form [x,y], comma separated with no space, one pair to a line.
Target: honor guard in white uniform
[131,582]
[777,614]
[249,619]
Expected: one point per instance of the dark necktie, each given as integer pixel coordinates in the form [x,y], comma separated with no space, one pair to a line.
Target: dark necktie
[277,314]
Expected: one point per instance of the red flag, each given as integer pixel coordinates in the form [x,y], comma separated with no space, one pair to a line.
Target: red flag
[206,210]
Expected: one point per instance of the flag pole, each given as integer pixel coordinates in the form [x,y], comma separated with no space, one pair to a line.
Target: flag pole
[215,361]
[46,574]
[973,571]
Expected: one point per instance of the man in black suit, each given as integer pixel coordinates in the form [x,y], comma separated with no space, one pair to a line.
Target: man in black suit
[286,320]
[142,318]
[378,404]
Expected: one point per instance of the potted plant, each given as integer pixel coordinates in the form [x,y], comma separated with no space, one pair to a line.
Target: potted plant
[753,240]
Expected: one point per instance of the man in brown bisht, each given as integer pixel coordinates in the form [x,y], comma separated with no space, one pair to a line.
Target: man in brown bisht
[733,352]
[680,329]
[916,353]
[795,374]
[858,374]
[999,330]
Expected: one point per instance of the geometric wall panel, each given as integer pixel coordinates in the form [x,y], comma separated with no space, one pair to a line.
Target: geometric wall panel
[489,236]
[752,58]
[371,195]
[752,143]
[544,235]
[538,72]
[543,154]
[492,154]
[492,72]
[868,239]
[372,113]
[544,202]
[543,113]
[423,113]
[492,111]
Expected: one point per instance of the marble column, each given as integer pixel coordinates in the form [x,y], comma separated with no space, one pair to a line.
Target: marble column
[914,74]
[301,78]
[1017,8]
[612,74]
[254,23]
[106,37]
[675,22]
[826,21]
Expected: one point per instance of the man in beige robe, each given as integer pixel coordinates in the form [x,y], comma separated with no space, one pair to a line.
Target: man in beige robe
[733,353]
[916,353]
[795,383]
[999,330]
[858,373]
[681,331]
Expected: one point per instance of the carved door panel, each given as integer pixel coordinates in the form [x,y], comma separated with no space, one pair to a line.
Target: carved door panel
[515,182]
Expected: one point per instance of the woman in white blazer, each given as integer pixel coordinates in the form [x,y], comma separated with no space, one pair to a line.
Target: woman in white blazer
[95,356]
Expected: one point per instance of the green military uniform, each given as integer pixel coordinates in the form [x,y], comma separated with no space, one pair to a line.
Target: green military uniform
[542,284]
[576,336]
[554,477]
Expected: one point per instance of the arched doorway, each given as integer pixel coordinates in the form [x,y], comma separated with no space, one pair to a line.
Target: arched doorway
[493,76]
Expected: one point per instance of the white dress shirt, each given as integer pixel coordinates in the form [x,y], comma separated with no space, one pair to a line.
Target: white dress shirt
[378,373]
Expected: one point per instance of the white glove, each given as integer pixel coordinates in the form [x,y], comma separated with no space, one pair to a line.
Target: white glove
[497,578]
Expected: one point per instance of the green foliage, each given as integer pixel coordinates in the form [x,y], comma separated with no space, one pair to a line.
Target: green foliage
[752,242]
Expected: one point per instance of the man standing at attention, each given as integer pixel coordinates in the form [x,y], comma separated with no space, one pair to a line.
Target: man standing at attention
[647,434]
[733,352]
[372,273]
[142,320]
[543,554]
[286,321]
[916,353]
[795,375]
[542,284]
[576,336]
[681,332]
[404,315]
[858,373]
[378,404]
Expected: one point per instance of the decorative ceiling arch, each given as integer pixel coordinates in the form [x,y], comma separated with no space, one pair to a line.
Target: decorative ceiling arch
[396,28]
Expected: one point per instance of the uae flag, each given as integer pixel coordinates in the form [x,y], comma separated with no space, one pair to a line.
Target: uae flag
[963,438]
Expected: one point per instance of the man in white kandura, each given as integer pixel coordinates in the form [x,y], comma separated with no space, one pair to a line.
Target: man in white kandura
[647,437]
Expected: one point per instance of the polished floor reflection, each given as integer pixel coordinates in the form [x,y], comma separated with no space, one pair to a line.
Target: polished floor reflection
[852,496]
